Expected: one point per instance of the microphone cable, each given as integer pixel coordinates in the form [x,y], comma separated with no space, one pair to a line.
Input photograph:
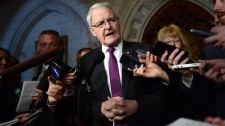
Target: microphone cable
[78,104]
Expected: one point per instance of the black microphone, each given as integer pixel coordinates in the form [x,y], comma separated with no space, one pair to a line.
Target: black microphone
[75,70]
[98,58]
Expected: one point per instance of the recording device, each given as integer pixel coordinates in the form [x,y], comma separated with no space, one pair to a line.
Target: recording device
[161,47]
[14,121]
[10,123]
[55,75]
[130,62]
[201,33]
[186,66]
[212,24]
[35,113]
[98,58]
[141,52]
[75,70]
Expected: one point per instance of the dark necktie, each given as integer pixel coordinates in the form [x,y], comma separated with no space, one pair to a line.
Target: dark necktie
[114,74]
[42,73]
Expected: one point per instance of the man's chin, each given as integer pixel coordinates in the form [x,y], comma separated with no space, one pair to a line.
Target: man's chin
[2,69]
[113,42]
[222,21]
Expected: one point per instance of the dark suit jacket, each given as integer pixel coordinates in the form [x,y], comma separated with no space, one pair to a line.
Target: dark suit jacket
[144,91]
[216,53]
[8,102]
[195,103]
[60,116]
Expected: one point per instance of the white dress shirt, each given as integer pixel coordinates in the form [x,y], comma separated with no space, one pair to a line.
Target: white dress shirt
[118,53]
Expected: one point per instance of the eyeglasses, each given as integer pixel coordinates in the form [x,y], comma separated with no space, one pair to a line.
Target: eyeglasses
[100,24]
[169,41]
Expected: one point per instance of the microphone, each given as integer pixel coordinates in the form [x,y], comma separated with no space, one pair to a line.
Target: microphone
[75,70]
[29,63]
[98,58]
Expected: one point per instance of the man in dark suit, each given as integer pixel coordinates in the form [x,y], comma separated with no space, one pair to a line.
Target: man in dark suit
[215,50]
[141,101]
[56,110]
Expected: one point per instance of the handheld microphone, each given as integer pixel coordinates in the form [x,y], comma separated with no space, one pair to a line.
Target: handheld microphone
[35,113]
[98,58]
[75,70]
[29,63]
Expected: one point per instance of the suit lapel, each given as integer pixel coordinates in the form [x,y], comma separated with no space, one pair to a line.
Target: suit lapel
[125,73]
[101,75]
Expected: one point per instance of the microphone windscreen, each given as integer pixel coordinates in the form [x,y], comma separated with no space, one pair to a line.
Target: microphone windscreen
[99,57]
[29,63]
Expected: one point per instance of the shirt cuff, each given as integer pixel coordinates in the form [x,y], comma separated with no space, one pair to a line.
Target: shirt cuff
[165,83]
[186,83]
[69,92]
[51,107]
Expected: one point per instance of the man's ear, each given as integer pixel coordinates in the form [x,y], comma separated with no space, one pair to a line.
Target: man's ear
[38,50]
[92,31]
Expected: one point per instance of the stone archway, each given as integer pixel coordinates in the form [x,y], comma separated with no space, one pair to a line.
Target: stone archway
[36,15]
[145,15]
[187,16]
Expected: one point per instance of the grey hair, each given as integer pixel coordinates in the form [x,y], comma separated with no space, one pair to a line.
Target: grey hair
[98,5]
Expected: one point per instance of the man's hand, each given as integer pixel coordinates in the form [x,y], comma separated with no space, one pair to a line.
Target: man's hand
[68,80]
[215,121]
[116,108]
[174,59]
[216,64]
[55,91]
[212,69]
[24,119]
[38,96]
[218,40]
[151,69]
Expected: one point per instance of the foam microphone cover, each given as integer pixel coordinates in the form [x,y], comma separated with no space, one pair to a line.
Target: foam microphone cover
[98,57]
[29,63]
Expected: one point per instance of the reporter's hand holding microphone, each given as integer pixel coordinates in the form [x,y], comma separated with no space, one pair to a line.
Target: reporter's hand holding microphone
[70,77]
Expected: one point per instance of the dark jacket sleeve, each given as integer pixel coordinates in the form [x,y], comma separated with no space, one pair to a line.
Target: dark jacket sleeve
[196,103]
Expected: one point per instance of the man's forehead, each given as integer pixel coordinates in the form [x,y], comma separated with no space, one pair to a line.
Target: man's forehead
[3,54]
[48,42]
[48,38]
[102,12]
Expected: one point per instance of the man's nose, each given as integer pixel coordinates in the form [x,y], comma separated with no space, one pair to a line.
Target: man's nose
[217,6]
[107,24]
[4,61]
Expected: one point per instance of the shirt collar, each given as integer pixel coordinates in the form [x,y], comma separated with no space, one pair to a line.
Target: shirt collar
[45,66]
[119,47]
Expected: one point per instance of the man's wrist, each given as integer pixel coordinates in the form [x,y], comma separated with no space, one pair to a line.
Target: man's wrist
[137,107]
[164,76]
[68,92]
[49,102]
[52,106]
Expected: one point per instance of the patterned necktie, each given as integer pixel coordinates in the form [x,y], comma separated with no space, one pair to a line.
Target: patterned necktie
[114,74]
[42,73]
